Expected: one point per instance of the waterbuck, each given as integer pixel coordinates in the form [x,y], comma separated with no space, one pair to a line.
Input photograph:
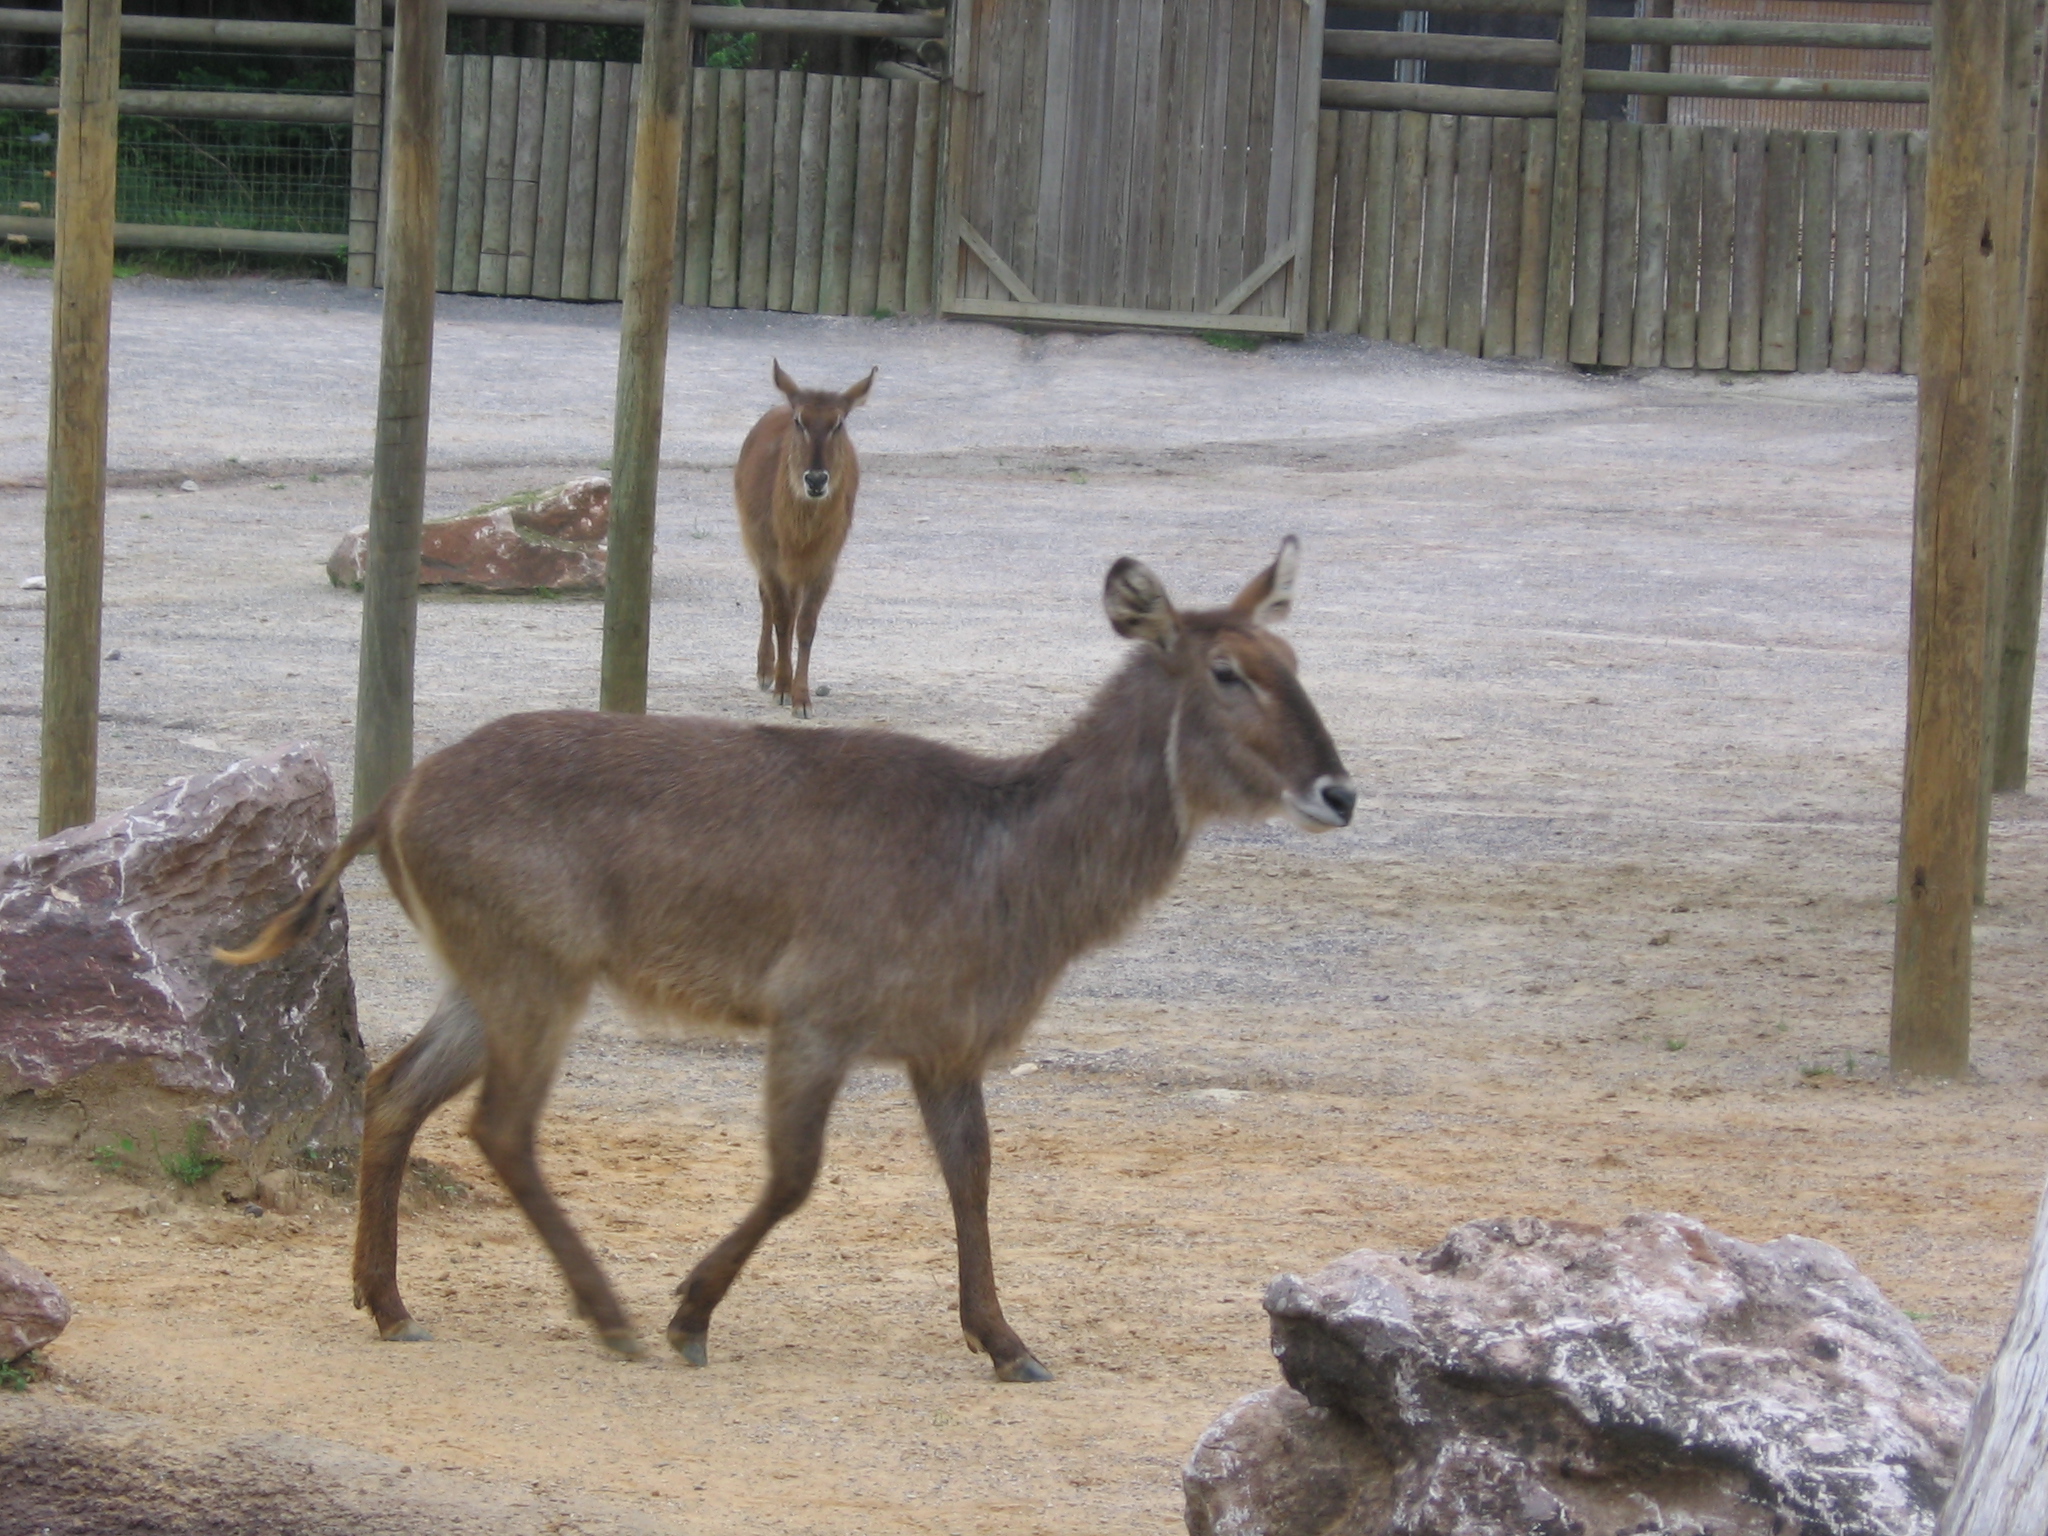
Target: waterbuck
[852,893]
[794,484]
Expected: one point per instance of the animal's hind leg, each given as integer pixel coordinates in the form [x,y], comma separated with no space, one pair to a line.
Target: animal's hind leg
[785,618]
[803,1079]
[957,1122]
[764,654]
[527,1017]
[441,1060]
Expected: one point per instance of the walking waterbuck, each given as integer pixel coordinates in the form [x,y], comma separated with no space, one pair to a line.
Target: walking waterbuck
[852,893]
[794,484]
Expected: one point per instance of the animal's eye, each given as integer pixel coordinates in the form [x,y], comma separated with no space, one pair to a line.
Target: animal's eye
[1226,673]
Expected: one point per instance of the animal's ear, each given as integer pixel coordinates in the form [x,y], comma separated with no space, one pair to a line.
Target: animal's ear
[1270,594]
[1137,605]
[854,394]
[785,383]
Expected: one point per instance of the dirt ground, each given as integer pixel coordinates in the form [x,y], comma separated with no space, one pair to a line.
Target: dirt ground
[1616,662]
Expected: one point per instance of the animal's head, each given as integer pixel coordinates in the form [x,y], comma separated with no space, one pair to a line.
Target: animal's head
[1246,742]
[817,431]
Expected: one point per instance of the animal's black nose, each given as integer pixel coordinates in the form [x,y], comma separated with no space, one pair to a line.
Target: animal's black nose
[815,481]
[1340,797]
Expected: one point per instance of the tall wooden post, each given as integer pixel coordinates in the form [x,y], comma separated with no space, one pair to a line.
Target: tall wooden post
[1953,518]
[398,480]
[81,311]
[1564,183]
[643,353]
[2021,632]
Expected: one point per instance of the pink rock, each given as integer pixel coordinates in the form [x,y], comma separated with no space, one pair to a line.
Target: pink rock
[1552,1377]
[32,1310]
[551,541]
[116,1022]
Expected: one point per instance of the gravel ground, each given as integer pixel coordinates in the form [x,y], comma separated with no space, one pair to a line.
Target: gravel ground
[1618,665]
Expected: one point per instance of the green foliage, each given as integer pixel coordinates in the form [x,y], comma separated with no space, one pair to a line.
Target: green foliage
[192,1164]
[18,1375]
[1233,341]
[1674,1042]
[731,50]
[113,1157]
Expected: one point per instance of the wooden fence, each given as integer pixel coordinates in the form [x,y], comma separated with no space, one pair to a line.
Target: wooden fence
[1746,249]
[809,193]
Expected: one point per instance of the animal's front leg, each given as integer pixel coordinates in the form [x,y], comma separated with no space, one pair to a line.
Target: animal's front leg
[957,1122]
[808,604]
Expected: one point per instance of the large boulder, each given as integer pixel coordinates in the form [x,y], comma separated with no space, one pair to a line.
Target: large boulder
[1529,1376]
[537,541]
[32,1310]
[122,1038]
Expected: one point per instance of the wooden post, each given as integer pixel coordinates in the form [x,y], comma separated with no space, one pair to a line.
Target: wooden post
[643,352]
[1960,368]
[2029,497]
[1655,57]
[366,144]
[1564,185]
[75,508]
[398,477]
[2002,1478]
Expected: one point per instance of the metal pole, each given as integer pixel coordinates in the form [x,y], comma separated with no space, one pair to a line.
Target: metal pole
[81,310]
[398,483]
[643,353]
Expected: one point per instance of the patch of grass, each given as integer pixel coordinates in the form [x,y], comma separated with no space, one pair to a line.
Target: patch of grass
[881,312]
[1233,341]
[18,1375]
[1674,1042]
[191,1164]
[113,1157]
[1815,1069]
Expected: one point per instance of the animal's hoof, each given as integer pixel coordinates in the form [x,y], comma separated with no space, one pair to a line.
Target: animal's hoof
[404,1331]
[800,711]
[1023,1368]
[624,1343]
[765,684]
[691,1347]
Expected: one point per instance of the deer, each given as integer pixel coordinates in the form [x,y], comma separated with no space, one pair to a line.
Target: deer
[794,484]
[851,893]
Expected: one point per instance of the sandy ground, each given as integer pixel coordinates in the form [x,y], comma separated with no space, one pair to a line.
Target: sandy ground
[1617,663]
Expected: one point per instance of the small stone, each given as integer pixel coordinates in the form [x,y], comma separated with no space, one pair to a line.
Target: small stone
[32,1310]
[188,485]
[33,584]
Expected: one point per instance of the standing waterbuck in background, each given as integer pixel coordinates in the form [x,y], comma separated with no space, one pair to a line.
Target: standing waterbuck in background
[853,893]
[794,484]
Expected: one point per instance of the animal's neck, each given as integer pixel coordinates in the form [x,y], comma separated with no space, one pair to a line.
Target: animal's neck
[1102,828]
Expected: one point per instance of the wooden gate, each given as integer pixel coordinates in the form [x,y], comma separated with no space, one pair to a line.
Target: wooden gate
[1134,162]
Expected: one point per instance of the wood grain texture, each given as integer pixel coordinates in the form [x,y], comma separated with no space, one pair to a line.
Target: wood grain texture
[449,159]
[920,294]
[1778,349]
[1377,259]
[869,197]
[614,163]
[1532,274]
[526,147]
[1682,263]
[789,119]
[1916,251]
[1816,250]
[1568,163]
[1618,244]
[551,212]
[1465,315]
[1717,243]
[901,148]
[1590,244]
[1432,304]
[725,206]
[500,134]
[1653,234]
[808,255]
[700,197]
[1504,235]
[586,105]
[1410,166]
[1746,275]
[1853,250]
[757,187]
[472,150]
[1322,257]
[842,153]
[1884,297]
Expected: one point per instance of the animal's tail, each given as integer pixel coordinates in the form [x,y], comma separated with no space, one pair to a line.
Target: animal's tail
[303,915]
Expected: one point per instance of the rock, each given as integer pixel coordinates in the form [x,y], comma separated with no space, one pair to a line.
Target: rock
[32,1310]
[121,1037]
[539,541]
[1530,1376]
